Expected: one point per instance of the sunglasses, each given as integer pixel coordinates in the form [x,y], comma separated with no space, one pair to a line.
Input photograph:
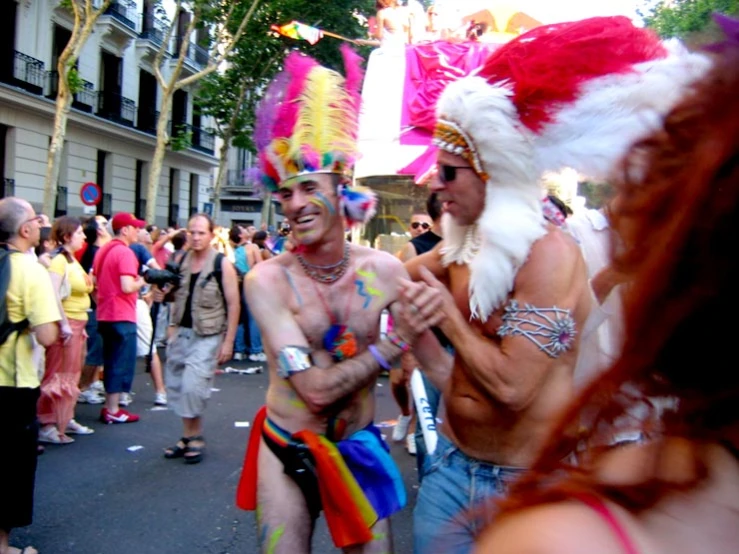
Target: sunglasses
[417,224]
[448,173]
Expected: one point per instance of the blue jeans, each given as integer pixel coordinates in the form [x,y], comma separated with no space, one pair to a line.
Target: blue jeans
[119,355]
[255,338]
[450,509]
[239,341]
[433,396]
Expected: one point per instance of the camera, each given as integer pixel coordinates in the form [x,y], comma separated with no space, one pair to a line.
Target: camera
[163,277]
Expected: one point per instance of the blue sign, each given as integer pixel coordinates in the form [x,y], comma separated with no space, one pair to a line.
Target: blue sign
[91,194]
[208,208]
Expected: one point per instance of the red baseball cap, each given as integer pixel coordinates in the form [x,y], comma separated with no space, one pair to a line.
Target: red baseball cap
[124,219]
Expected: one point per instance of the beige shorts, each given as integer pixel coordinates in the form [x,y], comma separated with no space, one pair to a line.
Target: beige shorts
[191,364]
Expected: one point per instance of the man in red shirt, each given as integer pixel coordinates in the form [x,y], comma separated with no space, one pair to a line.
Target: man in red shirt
[116,270]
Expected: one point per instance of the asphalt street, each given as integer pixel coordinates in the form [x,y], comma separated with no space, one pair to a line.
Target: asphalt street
[114,493]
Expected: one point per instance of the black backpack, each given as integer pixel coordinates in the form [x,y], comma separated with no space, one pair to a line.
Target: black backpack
[7,327]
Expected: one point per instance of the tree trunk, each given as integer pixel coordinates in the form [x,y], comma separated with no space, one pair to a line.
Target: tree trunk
[54,156]
[155,172]
[267,216]
[221,177]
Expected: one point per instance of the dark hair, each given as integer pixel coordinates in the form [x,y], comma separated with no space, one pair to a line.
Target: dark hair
[44,235]
[259,235]
[179,239]
[234,235]
[90,228]
[433,206]
[63,229]
[679,227]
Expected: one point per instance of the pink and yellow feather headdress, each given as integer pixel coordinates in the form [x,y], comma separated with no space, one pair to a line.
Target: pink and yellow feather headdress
[307,122]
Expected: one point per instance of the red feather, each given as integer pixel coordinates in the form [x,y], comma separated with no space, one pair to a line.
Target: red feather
[547,66]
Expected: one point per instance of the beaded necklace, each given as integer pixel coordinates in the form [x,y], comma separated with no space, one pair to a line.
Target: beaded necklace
[335,271]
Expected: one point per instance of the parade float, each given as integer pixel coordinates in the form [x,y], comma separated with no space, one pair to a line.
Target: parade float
[401,86]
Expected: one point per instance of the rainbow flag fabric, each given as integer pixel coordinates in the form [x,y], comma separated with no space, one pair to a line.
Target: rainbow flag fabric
[299,31]
[358,481]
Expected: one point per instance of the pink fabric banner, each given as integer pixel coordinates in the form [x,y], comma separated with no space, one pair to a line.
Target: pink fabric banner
[429,68]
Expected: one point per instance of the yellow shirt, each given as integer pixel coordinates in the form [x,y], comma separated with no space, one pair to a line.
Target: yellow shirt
[77,304]
[28,297]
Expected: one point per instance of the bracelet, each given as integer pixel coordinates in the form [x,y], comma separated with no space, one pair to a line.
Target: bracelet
[378,357]
[393,337]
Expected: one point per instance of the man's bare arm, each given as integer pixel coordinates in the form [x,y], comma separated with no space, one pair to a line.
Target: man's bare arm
[513,370]
[130,284]
[408,252]
[46,333]
[319,387]
[231,295]
[431,260]
[433,359]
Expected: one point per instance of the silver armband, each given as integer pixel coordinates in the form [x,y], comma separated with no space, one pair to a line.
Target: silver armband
[552,330]
[292,360]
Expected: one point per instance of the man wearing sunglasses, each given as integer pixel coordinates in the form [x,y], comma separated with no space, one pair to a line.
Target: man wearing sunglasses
[514,296]
[420,223]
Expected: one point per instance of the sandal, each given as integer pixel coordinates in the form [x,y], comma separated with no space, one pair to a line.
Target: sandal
[177,451]
[194,454]
[74,428]
[51,435]
[26,550]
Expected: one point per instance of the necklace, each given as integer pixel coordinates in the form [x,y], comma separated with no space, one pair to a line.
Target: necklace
[326,274]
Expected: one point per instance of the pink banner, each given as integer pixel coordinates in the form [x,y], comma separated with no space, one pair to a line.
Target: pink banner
[429,68]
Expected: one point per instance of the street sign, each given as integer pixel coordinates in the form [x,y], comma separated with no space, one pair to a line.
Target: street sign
[91,194]
[208,208]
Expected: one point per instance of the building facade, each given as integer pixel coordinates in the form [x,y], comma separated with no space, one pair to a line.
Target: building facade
[110,136]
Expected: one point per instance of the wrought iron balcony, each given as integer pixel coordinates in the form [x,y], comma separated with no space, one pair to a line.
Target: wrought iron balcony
[28,73]
[147,120]
[153,28]
[84,99]
[116,108]
[124,11]
[196,56]
[197,137]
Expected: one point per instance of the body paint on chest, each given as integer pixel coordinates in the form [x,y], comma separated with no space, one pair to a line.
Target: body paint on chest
[364,288]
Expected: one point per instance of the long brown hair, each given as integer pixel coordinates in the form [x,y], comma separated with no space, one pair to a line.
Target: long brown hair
[679,230]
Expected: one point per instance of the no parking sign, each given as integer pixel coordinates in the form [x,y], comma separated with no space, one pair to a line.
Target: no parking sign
[91,194]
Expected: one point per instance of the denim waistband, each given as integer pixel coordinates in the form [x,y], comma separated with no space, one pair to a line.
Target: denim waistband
[450,454]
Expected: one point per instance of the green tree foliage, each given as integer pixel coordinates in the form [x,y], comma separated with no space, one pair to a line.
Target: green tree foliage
[260,53]
[686,18]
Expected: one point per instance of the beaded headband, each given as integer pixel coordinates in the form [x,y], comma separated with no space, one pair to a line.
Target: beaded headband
[450,137]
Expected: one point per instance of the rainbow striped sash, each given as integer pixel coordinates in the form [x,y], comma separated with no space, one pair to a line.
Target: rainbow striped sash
[358,481]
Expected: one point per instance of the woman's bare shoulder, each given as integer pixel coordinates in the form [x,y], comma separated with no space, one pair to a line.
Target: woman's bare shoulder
[559,528]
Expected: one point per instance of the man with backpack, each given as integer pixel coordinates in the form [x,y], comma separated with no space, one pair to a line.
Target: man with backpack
[25,289]
[205,315]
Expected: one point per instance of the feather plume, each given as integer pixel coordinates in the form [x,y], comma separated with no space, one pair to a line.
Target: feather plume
[266,112]
[298,66]
[357,204]
[354,76]
[322,118]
